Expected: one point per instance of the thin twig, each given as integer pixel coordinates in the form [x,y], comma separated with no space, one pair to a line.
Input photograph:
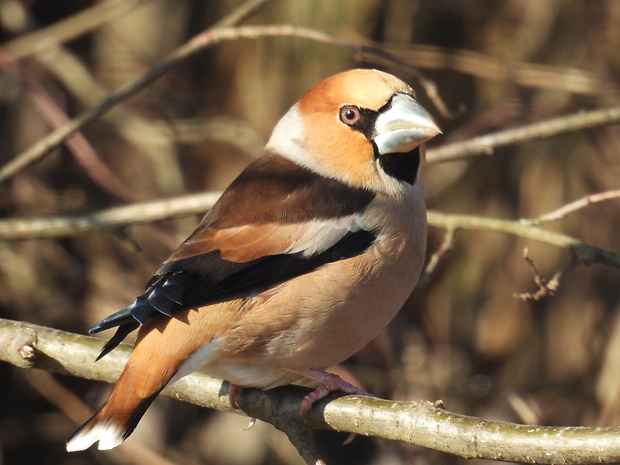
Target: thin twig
[444,249]
[572,207]
[585,253]
[78,145]
[141,213]
[486,145]
[153,141]
[47,144]
[546,288]
[69,28]
[485,66]
[107,220]
[423,423]
[207,38]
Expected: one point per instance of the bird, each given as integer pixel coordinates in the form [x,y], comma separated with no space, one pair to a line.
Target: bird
[304,259]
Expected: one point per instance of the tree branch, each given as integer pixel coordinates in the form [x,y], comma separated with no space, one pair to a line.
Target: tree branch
[584,252]
[219,33]
[422,423]
[223,31]
[546,287]
[69,28]
[107,220]
[47,144]
[486,145]
[141,213]
[487,66]
[444,249]
[572,207]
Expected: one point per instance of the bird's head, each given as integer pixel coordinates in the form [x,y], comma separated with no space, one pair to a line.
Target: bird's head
[362,127]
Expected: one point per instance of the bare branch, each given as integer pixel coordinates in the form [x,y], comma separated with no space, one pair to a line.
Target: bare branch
[546,287]
[572,207]
[210,37]
[78,146]
[423,423]
[444,249]
[107,220]
[69,28]
[140,213]
[585,253]
[485,66]
[93,17]
[483,145]
[298,435]
[47,144]
[486,145]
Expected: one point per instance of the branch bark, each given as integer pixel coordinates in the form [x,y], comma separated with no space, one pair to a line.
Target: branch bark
[423,423]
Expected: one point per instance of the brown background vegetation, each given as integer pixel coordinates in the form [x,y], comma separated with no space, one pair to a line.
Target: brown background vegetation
[463,338]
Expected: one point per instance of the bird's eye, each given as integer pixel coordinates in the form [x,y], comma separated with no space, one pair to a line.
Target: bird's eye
[350,114]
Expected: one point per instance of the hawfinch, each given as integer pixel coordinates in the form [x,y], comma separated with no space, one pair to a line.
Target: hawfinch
[303,260]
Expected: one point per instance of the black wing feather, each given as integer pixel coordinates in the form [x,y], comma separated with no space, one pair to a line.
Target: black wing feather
[207,278]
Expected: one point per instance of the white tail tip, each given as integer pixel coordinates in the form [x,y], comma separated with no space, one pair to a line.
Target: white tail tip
[108,434]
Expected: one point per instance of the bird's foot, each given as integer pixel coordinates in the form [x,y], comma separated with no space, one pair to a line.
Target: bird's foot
[233,390]
[328,382]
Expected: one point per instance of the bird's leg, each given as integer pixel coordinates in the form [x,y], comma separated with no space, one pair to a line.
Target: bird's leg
[328,382]
[233,390]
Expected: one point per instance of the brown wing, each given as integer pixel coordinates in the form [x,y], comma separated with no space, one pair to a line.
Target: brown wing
[226,258]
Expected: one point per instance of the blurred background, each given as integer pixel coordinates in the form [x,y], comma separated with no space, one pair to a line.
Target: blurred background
[463,338]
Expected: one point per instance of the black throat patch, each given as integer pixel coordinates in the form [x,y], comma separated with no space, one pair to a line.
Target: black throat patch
[401,166]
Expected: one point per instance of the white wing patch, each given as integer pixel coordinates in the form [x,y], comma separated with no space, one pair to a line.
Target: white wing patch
[249,242]
[320,235]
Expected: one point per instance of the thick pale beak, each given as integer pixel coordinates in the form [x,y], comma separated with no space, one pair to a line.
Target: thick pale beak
[403,126]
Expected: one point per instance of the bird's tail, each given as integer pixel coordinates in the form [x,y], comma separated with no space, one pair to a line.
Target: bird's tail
[111,425]
[152,365]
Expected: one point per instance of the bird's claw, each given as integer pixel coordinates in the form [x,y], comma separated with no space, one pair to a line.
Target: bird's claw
[328,382]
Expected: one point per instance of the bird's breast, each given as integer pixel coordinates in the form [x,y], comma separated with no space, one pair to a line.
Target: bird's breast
[320,319]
